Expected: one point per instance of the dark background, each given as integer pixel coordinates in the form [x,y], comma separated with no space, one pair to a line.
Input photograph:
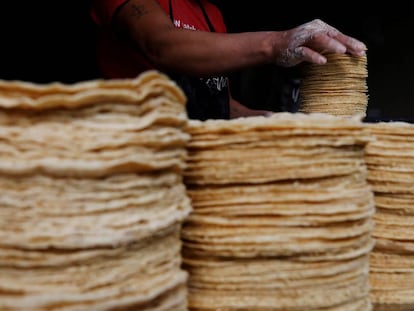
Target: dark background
[46,41]
[54,41]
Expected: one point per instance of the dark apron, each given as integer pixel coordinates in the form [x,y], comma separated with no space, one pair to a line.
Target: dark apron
[207,98]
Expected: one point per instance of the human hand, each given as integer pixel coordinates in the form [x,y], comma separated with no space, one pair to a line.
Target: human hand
[238,110]
[250,113]
[307,43]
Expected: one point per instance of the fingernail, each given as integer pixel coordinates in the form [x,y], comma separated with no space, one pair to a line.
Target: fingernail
[321,60]
[361,46]
[341,49]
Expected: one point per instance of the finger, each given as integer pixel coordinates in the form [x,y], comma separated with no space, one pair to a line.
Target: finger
[352,45]
[305,54]
[325,44]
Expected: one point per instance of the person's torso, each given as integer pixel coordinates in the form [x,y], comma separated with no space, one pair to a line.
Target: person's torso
[206,98]
[116,59]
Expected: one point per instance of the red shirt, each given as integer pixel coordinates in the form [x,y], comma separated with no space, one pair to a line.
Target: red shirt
[117,60]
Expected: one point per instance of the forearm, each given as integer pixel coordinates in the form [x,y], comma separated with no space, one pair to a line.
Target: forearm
[204,53]
[150,30]
[199,53]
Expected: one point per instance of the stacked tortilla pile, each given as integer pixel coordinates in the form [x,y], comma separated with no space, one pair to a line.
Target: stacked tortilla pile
[390,162]
[92,198]
[282,214]
[339,87]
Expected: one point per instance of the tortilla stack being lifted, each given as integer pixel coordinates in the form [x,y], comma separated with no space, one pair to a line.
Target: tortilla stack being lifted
[338,87]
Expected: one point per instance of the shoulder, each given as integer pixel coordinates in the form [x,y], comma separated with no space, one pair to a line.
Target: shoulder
[215,15]
[190,12]
[102,11]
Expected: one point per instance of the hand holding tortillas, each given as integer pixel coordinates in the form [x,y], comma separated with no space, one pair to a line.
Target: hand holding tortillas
[308,43]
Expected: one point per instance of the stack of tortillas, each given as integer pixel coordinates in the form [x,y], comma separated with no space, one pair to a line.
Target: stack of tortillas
[282,214]
[92,197]
[339,87]
[390,162]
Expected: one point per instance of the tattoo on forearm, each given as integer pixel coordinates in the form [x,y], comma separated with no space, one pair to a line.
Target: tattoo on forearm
[138,10]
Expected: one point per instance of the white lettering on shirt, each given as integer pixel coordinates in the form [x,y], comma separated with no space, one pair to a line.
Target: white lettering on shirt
[216,83]
[179,24]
